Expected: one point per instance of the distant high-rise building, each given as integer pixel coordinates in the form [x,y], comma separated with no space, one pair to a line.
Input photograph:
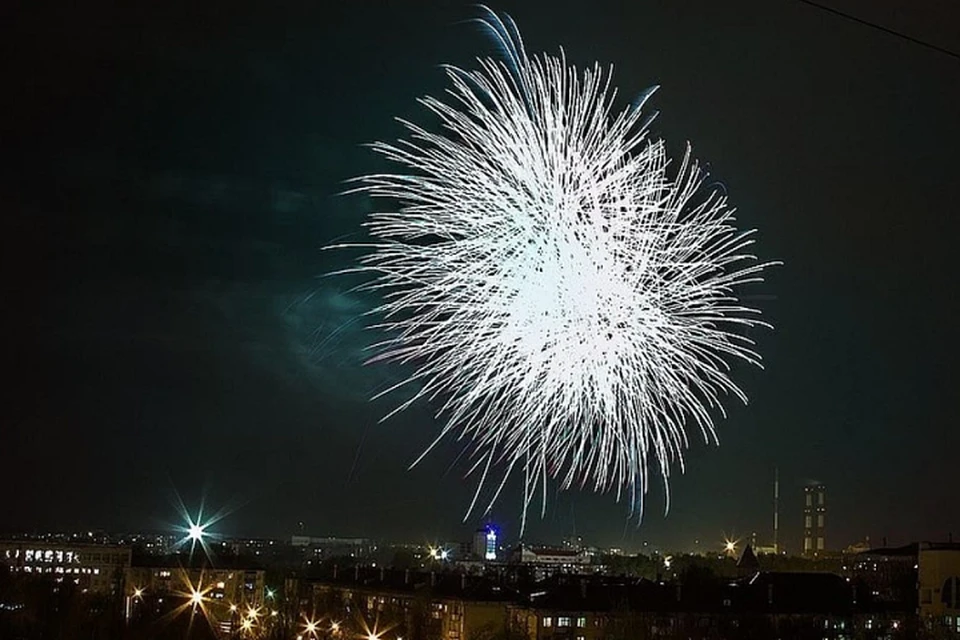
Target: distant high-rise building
[485,543]
[814,519]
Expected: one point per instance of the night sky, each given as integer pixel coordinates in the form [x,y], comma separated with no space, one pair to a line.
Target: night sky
[171,174]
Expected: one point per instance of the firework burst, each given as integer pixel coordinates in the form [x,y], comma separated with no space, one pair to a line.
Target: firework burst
[568,301]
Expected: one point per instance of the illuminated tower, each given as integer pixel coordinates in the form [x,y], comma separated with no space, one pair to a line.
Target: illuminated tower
[814,519]
[485,543]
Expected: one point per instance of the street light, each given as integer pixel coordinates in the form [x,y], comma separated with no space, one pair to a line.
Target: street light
[195,532]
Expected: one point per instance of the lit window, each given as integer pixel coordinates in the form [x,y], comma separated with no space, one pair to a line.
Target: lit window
[807,521]
[581,622]
[548,621]
[820,520]
[563,621]
[809,500]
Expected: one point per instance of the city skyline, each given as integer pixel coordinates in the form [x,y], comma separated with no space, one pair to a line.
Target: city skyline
[175,176]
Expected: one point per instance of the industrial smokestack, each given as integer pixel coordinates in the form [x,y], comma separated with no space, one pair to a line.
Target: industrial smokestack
[776,510]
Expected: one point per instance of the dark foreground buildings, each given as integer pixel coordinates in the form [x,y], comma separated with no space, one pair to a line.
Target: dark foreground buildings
[408,605]
[909,592]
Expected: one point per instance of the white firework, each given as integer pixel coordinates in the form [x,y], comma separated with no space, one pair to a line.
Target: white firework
[568,301]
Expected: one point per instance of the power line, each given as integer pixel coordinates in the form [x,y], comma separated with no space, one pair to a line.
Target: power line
[878,27]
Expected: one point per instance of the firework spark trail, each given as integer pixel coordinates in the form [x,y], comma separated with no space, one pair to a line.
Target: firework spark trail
[569,304]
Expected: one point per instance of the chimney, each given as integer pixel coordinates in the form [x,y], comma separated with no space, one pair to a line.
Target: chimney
[776,510]
[381,574]
[406,576]
[433,579]
[770,594]
[583,588]
[356,572]
[463,582]
[335,572]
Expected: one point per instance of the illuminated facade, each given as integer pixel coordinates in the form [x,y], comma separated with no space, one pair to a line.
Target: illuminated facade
[226,593]
[567,558]
[94,568]
[938,573]
[407,605]
[814,520]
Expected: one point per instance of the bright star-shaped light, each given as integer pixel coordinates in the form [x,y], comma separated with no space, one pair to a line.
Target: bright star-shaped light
[196,528]
[195,532]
